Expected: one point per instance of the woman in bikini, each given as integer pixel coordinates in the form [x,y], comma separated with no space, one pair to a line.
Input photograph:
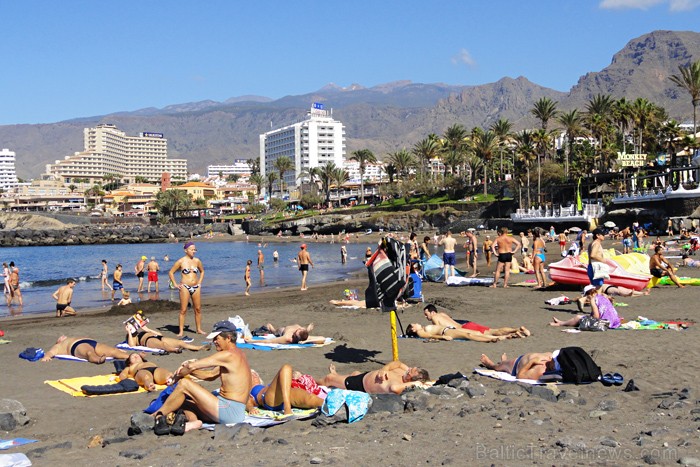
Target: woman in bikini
[538,262]
[279,395]
[145,373]
[192,275]
[146,337]
[448,333]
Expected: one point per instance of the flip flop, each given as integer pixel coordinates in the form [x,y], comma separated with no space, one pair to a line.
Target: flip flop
[607,379]
[617,379]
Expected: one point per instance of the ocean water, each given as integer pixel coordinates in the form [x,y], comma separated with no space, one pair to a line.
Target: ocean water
[44,269]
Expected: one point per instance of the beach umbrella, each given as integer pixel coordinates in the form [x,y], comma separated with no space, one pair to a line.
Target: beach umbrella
[574,229]
[610,224]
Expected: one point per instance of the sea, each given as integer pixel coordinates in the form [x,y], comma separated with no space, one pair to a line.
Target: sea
[45,268]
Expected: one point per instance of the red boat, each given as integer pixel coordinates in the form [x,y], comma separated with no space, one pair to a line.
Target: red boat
[572,271]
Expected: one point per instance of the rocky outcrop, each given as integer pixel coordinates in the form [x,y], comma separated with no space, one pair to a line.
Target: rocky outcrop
[92,235]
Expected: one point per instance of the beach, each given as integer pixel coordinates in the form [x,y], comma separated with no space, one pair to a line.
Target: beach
[495,423]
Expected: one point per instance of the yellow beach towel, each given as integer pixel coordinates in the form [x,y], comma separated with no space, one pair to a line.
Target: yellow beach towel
[72,385]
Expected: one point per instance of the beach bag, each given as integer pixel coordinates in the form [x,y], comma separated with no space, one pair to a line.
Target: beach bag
[243,329]
[589,323]
[577,366]
[600,270]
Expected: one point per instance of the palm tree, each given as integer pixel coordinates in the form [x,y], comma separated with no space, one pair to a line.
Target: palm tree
[622,117]
[403,161]
[525,149]
[140,179]
[670,132]
[254,165]
[502,129]
[454,146]
[72,188]
[689,79]
[425,150]
[311,174]
[364,157]
[544,110]
[340,176]
[643,114]
[170,202]
[270,179]
[485,147]
[326,175]
[391,172]
[572,124]
[283,164]
[259,182]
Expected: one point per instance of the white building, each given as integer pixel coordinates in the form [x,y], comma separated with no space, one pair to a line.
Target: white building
[239,167]
[8,176]
[373,172]
[109,150]
[312,143]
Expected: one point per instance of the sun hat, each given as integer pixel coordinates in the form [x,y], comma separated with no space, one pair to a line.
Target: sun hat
[222,326]
[587,289]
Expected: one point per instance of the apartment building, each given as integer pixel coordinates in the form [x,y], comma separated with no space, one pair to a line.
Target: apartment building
[110,151]
[311,143]
[239,167]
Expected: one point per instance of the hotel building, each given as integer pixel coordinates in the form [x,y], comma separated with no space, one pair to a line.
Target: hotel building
[109,150]
[311,143]
[8,176]
[239,167]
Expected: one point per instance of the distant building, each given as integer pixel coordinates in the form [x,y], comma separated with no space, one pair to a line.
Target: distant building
[8,176]
[311,143]
[373,172]
[239,167]
[109,151]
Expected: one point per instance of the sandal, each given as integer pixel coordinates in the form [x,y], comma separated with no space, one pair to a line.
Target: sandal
[161,427]
[178,426]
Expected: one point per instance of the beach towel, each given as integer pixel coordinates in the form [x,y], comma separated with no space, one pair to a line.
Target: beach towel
[457,281]
[268,418]
[32,354]
[76,359]
[16,459]
[356,402]
[645,324]
[73,386]
[503,376]
[563,300]
[527,283]
[11,443]
[4,341]
[386,269]
[139,348]
[260,344]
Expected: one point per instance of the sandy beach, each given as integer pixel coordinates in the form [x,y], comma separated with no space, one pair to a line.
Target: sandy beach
[497,423]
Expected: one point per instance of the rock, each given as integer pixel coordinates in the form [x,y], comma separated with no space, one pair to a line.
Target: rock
[406,437]
[670,403]
[597,414]
[391,403]
[225,432]
[445,391]
[12,414]
[476,391]
[341,416]
[316,460]
[134,454]
[649,459]
[610,442]
[140,423]
[419,401]
[546,392]
[694,461]
[95,441]
[608,405]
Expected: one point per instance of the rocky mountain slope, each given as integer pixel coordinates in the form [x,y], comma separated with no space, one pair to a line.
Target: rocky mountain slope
[382,118]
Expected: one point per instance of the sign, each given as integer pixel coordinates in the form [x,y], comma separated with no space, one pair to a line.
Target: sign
[631,160]
[152,135]
[318,106]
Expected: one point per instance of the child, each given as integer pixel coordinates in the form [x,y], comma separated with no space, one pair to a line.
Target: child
[126,300]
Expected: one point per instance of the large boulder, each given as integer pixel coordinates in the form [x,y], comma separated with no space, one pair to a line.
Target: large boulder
[12,414]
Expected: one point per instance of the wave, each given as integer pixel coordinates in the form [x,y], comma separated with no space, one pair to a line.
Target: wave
[55,282]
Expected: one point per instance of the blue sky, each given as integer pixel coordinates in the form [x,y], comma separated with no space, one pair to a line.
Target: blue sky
[72,58]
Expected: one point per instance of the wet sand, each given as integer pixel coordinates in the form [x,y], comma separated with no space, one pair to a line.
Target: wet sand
[505,426]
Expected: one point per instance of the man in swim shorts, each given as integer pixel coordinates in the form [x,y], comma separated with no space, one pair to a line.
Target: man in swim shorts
[229,364]
[138,270]
[85,348]
[152,267]
[526,366]
[392,378]
[660,266]
[439,318]
[117,283]
[63,297]
[503,248]
[448,255]
[304,260]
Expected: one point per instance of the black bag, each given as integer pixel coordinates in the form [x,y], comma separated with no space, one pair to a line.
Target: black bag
[577,366]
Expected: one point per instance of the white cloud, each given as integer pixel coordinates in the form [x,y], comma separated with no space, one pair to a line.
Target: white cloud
[464,57]
[673,5]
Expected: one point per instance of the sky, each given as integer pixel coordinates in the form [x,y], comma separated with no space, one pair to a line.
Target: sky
[74,58]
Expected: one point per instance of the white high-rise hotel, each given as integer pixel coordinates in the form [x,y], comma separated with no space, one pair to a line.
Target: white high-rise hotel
[8,176]
[109,150]
[310,143]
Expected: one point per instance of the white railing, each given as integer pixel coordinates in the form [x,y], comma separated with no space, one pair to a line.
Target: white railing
[588,211]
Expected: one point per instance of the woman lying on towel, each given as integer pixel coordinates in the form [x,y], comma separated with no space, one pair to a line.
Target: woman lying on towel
[290,334]
[149,338]
[279,395]
[448,333]
[145,373]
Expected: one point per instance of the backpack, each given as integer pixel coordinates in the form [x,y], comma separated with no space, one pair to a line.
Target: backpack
[577,366]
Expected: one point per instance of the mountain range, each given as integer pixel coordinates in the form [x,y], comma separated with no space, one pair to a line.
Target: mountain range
[382,118]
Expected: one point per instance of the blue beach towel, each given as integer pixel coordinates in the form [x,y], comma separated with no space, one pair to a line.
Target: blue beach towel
[11,443]
[32,354]
[357,403]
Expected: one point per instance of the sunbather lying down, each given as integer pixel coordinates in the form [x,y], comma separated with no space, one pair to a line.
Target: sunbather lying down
[290,334]
[526,366]
[362,303]
[85,348]
[146,373]
[443,320]
[447,333]
[279,395]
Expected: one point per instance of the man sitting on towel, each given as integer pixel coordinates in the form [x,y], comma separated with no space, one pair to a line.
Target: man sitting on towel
[392,378]
[230,364]
[527,366]
[443,319]
[85,348]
